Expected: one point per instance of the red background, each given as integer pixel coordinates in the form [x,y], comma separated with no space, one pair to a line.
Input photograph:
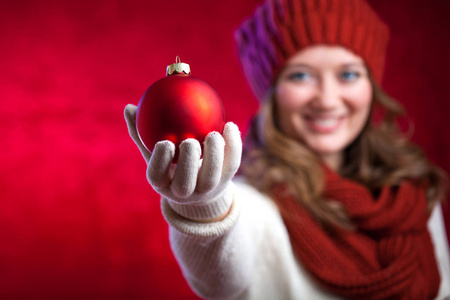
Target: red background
[77,217]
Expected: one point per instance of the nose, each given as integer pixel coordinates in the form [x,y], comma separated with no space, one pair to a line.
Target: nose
[328,94]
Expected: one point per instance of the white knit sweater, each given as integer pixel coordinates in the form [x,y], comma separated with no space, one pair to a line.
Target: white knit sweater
[248,255]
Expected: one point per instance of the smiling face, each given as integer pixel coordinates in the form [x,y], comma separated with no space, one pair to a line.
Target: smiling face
[323,99]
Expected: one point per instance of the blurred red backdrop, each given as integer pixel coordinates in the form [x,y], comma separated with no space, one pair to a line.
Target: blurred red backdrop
[77,217]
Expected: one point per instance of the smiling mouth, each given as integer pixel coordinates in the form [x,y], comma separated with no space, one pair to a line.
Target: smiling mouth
[324,124]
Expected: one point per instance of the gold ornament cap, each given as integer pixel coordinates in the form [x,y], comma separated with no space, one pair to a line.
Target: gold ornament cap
[178,68]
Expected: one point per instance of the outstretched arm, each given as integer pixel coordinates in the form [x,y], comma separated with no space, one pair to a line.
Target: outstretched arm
[197,197]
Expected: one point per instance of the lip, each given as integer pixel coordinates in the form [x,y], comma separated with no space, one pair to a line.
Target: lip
[324,124]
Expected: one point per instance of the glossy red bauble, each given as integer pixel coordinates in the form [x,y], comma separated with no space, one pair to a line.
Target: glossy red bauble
[178,107]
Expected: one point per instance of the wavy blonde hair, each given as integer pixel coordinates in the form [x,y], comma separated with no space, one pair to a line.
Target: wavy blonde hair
[381,155]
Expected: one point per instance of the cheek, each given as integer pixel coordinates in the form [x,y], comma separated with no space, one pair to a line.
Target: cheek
[291,97]
[360,96]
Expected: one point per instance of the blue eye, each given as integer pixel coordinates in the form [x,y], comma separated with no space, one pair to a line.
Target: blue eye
[299,76]
[349,75]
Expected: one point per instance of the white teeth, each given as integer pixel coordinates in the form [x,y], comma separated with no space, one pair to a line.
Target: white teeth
[325,122]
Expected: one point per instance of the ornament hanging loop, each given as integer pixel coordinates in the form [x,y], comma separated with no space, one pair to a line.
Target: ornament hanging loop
[178,68]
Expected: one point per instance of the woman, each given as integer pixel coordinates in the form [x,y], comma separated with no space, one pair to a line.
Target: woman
[333,202]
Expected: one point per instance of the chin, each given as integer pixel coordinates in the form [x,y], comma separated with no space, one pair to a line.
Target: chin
[327,147]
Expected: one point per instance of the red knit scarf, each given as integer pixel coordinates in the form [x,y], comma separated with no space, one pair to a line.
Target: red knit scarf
[389,256]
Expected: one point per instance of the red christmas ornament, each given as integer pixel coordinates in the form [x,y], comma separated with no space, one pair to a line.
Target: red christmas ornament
[177,107]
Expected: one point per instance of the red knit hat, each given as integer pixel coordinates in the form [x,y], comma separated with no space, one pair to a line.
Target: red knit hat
[278,29]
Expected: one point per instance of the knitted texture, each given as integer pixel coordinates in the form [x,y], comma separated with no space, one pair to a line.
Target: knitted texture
[280,28]
[389,256]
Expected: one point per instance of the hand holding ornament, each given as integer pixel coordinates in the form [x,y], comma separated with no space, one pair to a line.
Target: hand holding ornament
[197,188]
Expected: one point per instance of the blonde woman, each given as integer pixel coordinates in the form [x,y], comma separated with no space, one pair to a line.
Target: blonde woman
[331,202]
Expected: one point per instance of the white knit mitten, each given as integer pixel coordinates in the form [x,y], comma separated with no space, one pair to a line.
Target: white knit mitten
[197,189]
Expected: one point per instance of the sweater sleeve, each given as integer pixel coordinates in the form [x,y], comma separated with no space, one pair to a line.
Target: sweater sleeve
[216,258]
